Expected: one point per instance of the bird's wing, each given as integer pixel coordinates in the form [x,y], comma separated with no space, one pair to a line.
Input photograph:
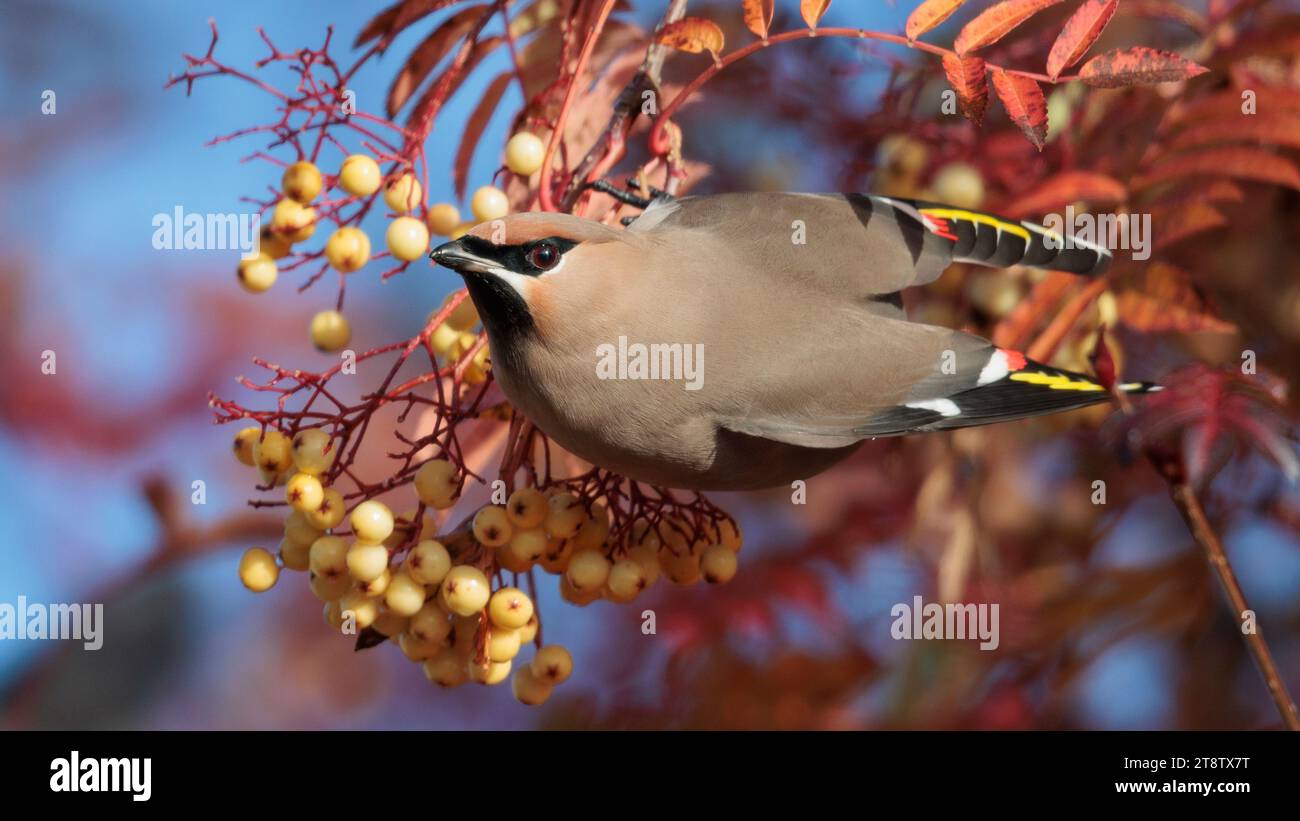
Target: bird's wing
[859,244]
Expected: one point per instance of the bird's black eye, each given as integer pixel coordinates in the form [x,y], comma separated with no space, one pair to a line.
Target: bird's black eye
[543,256]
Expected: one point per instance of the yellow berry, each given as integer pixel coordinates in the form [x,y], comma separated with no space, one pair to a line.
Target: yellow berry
[348,249]
[461,230]
[445,340]
[502,644]
[330,588]
[557,555]
[464,316]
[430,623]
[243,445]
[273,453]
[729,534]
[492,526]
[301,181]
[258,570]
[417,649]
[330,512]
[529,631]
[648,559]
[680,568]
[465,590]
[494,673]
[362,609]
[552,664]
[377,586]
[594,530]
[587,571]
[403,194]
[959,184]
[565,515]
[446,669]
[510,608]
[436,484]
[389,623]
[407,238]
[428,562]
[718,564]
[294,555]
[312,451]
[329,556]
[257,274]
[626,580]
[405,595]
[526,546]
[443,219]
[330,331]
[527,508]
[304,492]
[359,175]
[367,562]
[372,521]
[293,221]
[528,688]
[645,535]
[273,244]
[489,203]
[333,615]
[524,153]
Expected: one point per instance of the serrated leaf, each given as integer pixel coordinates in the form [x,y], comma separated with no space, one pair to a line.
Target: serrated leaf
[968,76]
[694,35]
[1080,32]
[1065,188]
[1238,162]
[391,21]
[474,128]
[429,53]
[812,11]
[1023,99]
[929,15]
[996,22]
[448,83]
[758,16]
[1138,66]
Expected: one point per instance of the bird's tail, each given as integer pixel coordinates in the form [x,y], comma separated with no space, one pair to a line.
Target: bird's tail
[986,239]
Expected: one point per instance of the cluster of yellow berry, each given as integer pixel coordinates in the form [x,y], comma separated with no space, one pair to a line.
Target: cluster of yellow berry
[438,604]
[293,220]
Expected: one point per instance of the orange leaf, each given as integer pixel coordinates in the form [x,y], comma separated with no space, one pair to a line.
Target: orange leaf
[1185,219]
[1138,66]
[812,11]
[1166,301]
[1080,32]
[968,77]
[1065,188]
[693,34]
[996,22]
[390,22]
[1024,102]
[758,16]
[429,53]
[1236,161]
[1269,127]
[474,129]
[930,14]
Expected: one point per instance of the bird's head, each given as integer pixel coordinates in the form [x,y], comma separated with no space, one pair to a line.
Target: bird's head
[514,267]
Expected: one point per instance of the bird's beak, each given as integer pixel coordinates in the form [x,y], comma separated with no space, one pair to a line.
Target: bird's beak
[456,256]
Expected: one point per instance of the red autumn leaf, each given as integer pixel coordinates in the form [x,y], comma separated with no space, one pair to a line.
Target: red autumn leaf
[1183,220]
[812,11]
[391,21]
[693,34]
[448,83]
[758,16]
[1238,162]
[1080,32]
[428,54]
[930,14]
[968,77]
[1065,188]
[1138,66]
[474,128]
[996,22]
[1023,99]
[1230,104]
[1164,301]
[1279,128]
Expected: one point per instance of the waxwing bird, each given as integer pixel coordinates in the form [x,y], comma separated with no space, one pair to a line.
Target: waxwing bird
[759,337]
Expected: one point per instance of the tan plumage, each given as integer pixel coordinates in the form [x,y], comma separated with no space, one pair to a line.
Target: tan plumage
[806,350]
